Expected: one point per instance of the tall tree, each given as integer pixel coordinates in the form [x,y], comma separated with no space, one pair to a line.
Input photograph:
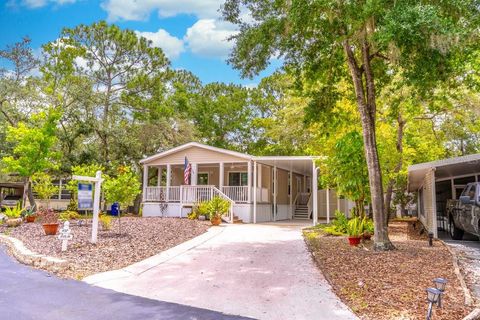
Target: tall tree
[321,39]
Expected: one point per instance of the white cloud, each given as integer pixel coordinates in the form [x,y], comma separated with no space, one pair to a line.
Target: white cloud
[141,10]
[209,37]
[171,46]
[33,4]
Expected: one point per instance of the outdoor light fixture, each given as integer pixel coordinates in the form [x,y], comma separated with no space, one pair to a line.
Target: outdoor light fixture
[430,239]
[432,297]
[440,284]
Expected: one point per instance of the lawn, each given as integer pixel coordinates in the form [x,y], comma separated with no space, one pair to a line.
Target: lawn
[138,239]
[388,285]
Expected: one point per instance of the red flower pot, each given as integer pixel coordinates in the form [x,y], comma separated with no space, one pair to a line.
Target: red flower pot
[30,219]
[50,228]
[216,221]
[354,241]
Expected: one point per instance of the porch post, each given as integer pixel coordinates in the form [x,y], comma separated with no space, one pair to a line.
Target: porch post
[304,183]
[291,194]
[255,192]
[275,193]
[221,174]
[249,182]
[328,205]
[259,181]
[314,193]
[169,175]
[145,181]
[194,174]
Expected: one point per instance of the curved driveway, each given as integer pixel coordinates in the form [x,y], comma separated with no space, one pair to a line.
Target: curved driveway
[262,271]
[30,294]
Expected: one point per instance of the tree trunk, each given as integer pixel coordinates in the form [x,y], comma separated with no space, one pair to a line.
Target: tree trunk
[31,198]
[367,109]
[396,170]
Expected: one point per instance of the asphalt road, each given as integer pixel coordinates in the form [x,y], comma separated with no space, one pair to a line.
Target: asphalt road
[27,293]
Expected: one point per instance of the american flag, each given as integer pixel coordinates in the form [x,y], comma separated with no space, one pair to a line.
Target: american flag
[187,171]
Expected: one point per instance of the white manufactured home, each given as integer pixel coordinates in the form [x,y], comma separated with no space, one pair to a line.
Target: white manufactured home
[438,181]
[260,189]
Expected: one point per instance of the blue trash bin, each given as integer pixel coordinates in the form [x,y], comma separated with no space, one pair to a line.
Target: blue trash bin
[115,209]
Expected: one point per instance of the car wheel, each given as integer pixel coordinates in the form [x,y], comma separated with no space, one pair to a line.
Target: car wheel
[455,233]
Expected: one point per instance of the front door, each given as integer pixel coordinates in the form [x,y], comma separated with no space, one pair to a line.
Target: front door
[202,179]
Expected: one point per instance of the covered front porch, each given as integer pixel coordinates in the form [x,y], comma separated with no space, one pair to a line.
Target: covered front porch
[260,189]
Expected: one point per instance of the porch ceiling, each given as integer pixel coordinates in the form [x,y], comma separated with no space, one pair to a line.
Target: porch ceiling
[302,165]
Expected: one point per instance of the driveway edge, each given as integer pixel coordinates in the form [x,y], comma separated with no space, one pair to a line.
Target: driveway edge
[23,255]
[153,261]
[456,266]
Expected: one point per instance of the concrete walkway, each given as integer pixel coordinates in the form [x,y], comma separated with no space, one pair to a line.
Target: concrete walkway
[259,271]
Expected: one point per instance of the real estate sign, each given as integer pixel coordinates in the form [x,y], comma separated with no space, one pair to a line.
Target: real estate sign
[85,199]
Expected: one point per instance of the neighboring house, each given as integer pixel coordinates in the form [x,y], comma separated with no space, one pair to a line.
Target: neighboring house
[437,181]
[59,201]
[260,189]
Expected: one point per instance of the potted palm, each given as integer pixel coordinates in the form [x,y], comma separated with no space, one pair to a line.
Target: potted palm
[30,215]
[13,214]
[354,231]
[49,219]
[217,207]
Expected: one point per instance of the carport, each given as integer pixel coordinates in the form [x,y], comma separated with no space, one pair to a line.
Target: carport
[437,181]
[10,188]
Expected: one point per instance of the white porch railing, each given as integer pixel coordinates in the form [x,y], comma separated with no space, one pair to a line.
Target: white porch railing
[236,193]
[303,198]
[187,195]
[162,194]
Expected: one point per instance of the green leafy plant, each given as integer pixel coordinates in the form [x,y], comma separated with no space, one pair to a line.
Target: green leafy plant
[201,209]
[355,227]
[192,215]
[368,225]
[69,215]
[106,222]
[340,223]
[43,186]
[14,212]
[217,207]
[29,212]
[123,189]
[72,205]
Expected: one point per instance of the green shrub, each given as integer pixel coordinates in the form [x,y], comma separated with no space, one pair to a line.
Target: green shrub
[368,225]
[332,231]
[340,223]
[14,212]
[192,215]
[72,205]
[355,227]
[201,209]
[69,215]
[106,222]
[217,207]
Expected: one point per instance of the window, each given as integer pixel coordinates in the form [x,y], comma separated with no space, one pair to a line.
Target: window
[237,178]
[202,179]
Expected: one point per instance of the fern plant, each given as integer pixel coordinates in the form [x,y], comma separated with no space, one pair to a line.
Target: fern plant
[355,227]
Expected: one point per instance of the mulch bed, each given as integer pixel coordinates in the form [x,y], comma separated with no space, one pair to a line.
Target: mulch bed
[139,239]
[389,285]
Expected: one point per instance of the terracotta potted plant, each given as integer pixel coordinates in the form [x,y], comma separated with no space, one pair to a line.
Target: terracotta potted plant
[354,231]
[368,229]
[13,215]
[217,207]
[49,219]
[30,215]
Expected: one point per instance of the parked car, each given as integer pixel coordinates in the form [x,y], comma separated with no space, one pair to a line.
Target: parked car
[464,213]
[10,201]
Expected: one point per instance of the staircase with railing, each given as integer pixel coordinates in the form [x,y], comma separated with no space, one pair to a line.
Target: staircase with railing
[303,206]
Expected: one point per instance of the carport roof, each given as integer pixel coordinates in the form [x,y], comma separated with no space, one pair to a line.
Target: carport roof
[445,168]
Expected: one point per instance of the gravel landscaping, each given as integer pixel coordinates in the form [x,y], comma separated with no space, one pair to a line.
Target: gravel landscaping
[139,239]
[388,285]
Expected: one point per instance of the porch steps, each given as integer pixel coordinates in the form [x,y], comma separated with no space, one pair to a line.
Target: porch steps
[236,219]
[301,212]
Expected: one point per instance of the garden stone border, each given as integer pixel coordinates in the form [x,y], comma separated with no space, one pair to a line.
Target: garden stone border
[18,250]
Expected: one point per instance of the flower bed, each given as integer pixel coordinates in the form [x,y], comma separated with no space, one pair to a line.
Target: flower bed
[388,285]
[139,239]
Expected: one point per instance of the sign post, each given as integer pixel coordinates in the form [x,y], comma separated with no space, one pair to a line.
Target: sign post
[96,199]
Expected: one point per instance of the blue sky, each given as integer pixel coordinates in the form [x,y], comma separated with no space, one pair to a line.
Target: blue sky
[190,32]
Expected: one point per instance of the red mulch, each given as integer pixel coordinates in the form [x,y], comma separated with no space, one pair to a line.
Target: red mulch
[388,285]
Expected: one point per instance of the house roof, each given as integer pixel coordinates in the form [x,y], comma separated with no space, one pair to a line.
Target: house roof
[300,164]
[445,168]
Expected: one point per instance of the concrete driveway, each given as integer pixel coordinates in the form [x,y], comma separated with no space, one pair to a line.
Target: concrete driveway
[260,271]
[30,294]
